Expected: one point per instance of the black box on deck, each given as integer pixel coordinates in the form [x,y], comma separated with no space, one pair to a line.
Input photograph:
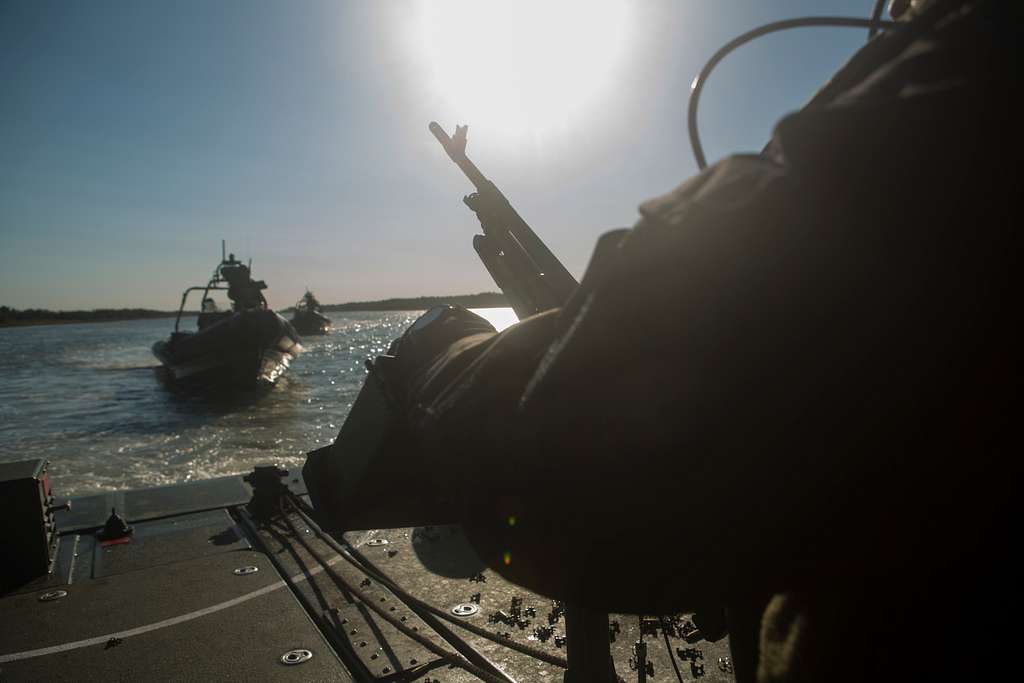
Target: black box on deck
[28,532]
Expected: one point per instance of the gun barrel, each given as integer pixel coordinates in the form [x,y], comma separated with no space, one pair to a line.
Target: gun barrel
[559,279]
[512,248]
[507,280]
[457,153]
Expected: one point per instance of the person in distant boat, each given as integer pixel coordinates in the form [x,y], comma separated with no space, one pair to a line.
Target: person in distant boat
[242,289]
[790,389]
[208,313]
[310,301]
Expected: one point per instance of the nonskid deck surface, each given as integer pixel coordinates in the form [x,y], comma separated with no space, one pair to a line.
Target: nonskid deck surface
[181,601]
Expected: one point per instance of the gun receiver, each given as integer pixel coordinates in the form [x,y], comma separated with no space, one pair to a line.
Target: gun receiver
[532,278]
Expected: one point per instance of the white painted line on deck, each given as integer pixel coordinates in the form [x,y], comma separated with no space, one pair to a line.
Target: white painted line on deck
[139,630]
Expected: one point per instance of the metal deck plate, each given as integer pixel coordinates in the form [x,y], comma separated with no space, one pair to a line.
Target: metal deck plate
[373,646]
[193,620]
[169,540]
[90,512]
[435,564]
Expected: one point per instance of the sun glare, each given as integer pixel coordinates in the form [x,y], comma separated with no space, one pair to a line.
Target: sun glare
[524,67]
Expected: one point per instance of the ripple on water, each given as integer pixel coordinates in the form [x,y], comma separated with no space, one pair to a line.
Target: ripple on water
[85,397]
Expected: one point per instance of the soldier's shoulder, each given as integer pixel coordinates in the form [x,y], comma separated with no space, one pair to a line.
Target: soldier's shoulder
[728,186]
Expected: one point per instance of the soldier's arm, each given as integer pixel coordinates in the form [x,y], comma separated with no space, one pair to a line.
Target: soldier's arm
[755,387]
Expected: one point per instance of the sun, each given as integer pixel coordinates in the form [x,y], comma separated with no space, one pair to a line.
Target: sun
[523,68]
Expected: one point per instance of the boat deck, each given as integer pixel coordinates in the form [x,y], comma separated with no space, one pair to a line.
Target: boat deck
[204,591]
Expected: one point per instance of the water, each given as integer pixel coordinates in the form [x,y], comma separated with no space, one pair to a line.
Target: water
[86,397]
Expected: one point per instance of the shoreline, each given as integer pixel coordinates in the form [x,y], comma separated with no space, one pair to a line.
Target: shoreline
[421,303]
[59,321]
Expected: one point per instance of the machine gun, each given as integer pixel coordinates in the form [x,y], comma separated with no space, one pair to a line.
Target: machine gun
[532,278]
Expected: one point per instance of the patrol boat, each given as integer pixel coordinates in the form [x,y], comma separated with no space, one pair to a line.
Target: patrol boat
[249,346]
[307,318]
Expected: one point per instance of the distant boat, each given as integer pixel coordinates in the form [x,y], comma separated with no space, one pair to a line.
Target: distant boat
[307,318]
[249,346]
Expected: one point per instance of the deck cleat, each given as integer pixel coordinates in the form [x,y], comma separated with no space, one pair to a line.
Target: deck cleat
[267,490]
[115,528]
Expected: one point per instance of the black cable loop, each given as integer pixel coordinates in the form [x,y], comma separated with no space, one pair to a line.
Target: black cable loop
[441,652]
[668,646]
[413,600]
[698,83]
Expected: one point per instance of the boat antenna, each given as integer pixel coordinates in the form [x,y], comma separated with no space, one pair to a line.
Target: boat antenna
[223,250]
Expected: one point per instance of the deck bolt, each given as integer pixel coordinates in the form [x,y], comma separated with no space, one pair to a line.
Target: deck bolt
[466,609]
[296,657]
[50,596]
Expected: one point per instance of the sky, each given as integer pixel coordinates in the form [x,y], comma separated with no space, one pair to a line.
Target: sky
[136,135]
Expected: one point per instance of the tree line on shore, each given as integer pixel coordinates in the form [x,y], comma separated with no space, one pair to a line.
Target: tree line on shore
[421,303]
[40,316]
